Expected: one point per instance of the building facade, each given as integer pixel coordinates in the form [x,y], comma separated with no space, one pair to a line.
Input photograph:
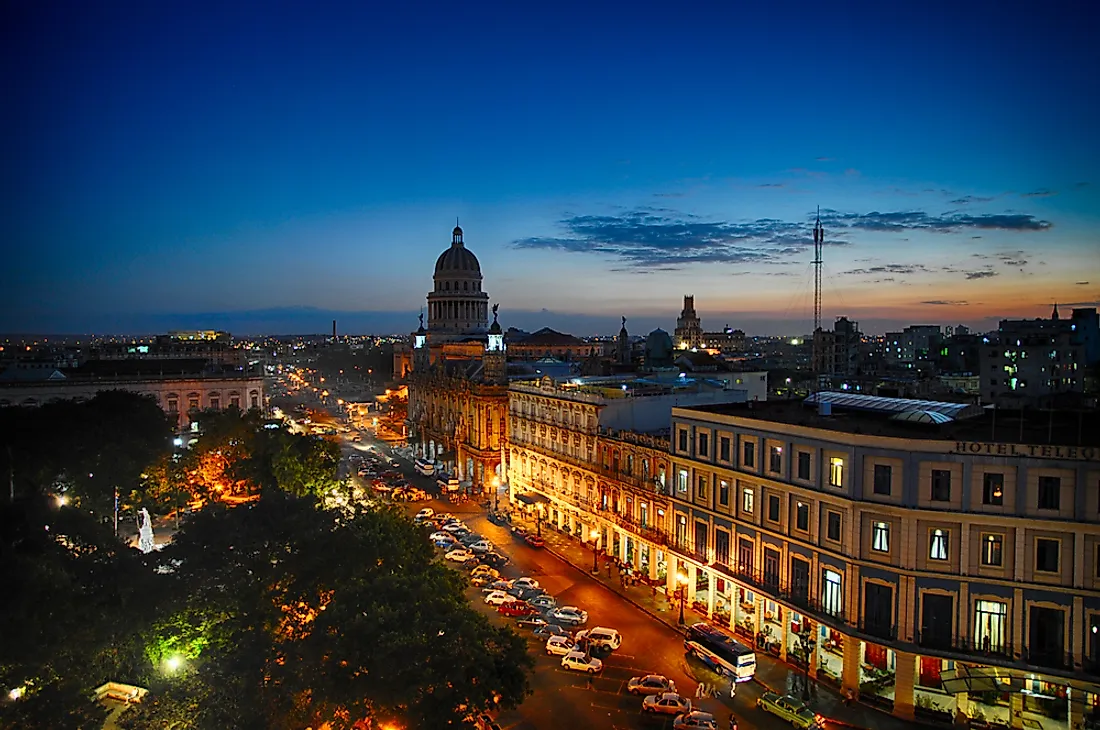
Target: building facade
[689,330]
[933,576]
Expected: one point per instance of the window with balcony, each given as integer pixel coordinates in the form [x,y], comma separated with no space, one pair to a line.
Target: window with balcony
[878,610]
[832,526]
[775,460]
[990,626]
[724,448]
[800,578]
[771,569]
[701,533]
[832,598]
[682,435]
[802,516]
[884,475]
[1050,493]
[937,620]
[749,459]
[1047,552]
[937,546]
[993,550]
[880,536]
[836,472]
[193,403]
[681,529]
[993,489]
[773,507]
[941,485]
[748,500]
[682,481]
[721,547]
[724,493]
[804,466]
[1046,646]
[216,404]
[173,406]
[745,552]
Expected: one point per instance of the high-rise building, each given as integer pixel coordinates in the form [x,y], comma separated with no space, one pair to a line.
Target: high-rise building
[689,330]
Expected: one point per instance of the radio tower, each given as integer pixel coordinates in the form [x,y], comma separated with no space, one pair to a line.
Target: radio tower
[819,238]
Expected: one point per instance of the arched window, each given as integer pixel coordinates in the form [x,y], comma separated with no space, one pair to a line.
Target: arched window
[465,286]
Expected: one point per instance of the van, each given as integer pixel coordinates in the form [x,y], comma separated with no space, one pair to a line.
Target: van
[601,637]
[425,467]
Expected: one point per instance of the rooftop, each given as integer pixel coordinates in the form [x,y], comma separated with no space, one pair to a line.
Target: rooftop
[1065,428]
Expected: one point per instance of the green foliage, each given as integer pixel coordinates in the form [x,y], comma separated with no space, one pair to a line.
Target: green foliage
[293,637]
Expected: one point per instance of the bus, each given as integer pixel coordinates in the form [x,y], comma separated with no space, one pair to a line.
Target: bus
[721,651]
[425,467]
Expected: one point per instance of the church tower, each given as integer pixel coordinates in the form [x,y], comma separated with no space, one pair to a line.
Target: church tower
[421,354]
[623,345]
[495,359]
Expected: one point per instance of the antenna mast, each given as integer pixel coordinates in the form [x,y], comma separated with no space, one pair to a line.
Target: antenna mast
[819,238]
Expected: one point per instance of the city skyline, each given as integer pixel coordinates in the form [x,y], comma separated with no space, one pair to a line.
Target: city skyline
[258,171]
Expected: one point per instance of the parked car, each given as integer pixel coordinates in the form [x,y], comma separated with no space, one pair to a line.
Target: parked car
[666,703]
[791,709]
[695,720]
[440,535]
[545,601]
[481,546]
[497,598]
[454,527]
[480,581]
[501,585]
[494,559]
[469,538]
[650,684]
[534,541]
[548,629]
[460,555]
[531,622]
[425,513]
[601,637]
[559,645]
[578,661]
[526,582]
[485,570]
[516,609]
[569,616]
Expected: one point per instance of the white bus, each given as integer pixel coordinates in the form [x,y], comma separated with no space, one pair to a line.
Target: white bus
[425,467]
[721,651]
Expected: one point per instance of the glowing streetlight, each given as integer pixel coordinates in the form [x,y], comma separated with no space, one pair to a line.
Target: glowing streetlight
[681,581]
[595,535]
[62,500]
[173,663]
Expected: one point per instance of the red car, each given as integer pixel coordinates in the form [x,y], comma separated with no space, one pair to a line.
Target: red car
[534,541]
[517,609]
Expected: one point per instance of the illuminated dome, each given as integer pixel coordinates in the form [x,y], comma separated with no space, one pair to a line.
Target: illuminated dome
[456,305]
[457,259]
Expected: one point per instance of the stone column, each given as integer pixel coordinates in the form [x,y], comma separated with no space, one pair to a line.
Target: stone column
[710,594]
[692,576]
[624,554]
[962,709]
[1016,711]
[652,560]
[904,680]
[1076,699]
[572,524]
[757,616]
[849,675]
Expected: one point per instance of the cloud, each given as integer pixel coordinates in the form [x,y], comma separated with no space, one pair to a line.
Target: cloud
[823,159]
[772,185]
[907,220]
[892,269]
[947,302]
[1081,184]
[1040,193]
[981,274]
[668,195]
[656,238]
[1081,283]
[968,199]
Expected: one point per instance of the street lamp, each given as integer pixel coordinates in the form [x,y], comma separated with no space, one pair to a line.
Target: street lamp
[808,641]
[595,535]
[538,523]
[681,582]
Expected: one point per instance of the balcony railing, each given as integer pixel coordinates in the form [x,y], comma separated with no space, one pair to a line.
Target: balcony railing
[1049,658]
[878,629]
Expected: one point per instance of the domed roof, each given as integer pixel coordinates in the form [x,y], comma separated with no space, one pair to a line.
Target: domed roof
[658,348]
[457,259]
[921,416]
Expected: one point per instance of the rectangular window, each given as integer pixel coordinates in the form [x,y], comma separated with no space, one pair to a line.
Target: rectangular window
[701,530]
[941,485]
[878,610]
[724,448]
[775,460]
[800,578]
[804,466]
[993,550]
[704,444]
[937,546]
[683,440]
[661,475]
[193,403]
[173,406]
[1046,644]
[254,401]
[722,547]
[937,620]
[1047,554]
[681,529]
[750,455]
[771,569]
[1050,492]
[993,489]
[990,625]
[802,516]
[836,472]
[831,599]
[216,404]
[880,536]
[884,475]
[723,493]
[234,401]
[682,481]
[701,488]
[745,551]
[773,508]
[832,528]
[748,500]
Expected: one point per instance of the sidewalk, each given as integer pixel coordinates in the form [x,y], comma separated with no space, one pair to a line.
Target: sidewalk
[772,674]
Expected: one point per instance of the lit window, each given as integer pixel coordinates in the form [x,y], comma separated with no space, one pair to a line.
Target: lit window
[831,600]
[880,537]
[992,550]
[836,472]
[938,547]
[682,481]
[748,501]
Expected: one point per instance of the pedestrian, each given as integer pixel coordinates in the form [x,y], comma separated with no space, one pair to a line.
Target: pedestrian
[733,722]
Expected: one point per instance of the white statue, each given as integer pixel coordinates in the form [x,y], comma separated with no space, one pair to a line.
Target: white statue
[145,532]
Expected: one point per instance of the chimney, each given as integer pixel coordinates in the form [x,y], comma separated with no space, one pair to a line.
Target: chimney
[334,329]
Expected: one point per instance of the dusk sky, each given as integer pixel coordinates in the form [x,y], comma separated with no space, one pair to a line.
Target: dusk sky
[269,166]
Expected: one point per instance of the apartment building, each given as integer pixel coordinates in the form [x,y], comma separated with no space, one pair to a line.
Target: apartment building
[898,550]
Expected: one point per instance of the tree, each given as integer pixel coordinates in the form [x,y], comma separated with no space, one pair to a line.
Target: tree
[294,616]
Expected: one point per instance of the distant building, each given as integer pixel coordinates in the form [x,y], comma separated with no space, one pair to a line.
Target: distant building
[912,347]
[838,350]
[689,330]
[549,343]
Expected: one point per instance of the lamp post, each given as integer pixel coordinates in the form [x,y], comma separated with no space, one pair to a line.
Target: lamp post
[681,583]
[595,535]
[808,641]
[538,520]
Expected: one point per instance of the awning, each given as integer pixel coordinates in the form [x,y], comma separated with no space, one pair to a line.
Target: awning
[532,498]
[525,498]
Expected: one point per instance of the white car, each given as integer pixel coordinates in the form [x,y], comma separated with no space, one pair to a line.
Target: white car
[570,615]
[578,661]
[495,598]
[437,536]
[559,645]
[525,582]
[454,527]
[482,546]
[461,555]
[425,514]
[599,636]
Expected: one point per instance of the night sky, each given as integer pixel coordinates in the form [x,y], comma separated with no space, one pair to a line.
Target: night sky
[258,167]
